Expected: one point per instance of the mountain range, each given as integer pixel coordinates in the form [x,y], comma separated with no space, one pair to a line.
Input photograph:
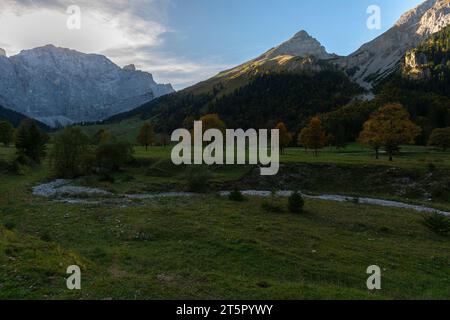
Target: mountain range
[299,79]
[59,86]
[368,65]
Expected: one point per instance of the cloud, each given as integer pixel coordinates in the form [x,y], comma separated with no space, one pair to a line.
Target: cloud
[126,31]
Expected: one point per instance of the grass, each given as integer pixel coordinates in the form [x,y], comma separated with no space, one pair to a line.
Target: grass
[208,247]
[416,157]
[411,157]
[212,248]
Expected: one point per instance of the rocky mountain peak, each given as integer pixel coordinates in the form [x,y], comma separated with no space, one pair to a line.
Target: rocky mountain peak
[60,86]
[301,45]
[130,67]
[378,58]
[2,52]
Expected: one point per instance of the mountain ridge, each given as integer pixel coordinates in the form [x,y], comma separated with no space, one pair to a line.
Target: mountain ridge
[378,58]
[60,86]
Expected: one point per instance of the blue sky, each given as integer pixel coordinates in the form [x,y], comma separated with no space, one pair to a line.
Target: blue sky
[186,41]
[237,30]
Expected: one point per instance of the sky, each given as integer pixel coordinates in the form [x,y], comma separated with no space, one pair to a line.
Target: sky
[183,42]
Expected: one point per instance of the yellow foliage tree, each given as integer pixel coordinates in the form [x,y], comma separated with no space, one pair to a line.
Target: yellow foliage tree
[212,121]
[285,136]
[389,128]
[313,136]
[303,138]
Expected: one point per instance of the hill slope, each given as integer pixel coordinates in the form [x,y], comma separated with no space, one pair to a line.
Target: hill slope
[16,118]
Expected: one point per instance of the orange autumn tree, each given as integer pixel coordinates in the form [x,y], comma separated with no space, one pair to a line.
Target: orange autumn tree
[313,136]
[389,128]
[213,121]
[303,138]
[285,136]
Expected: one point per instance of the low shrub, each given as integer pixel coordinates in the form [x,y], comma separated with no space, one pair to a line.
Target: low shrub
[21,165]
[437,223]
[106,177]
[9,225]
[431,167]
[112,155]
[296,203]
[236,195]
[272,204]
[198,178]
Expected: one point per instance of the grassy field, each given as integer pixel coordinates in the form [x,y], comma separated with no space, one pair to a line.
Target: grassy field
[208,247]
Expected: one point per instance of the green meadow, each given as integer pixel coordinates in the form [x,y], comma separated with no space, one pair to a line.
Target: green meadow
[208,247]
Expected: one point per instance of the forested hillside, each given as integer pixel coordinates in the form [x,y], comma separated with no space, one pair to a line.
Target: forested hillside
[16,118]
[267,99]
[422,84]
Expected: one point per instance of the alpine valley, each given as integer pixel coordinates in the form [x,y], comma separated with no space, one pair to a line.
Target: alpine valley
[123,189]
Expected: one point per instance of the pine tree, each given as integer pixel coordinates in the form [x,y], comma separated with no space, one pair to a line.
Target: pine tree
[31,141]
[6,133]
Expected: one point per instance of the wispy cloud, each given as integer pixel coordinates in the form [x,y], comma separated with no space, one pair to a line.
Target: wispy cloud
[127,31]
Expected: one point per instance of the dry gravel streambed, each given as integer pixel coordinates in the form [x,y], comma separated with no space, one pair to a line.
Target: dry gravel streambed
[64,191]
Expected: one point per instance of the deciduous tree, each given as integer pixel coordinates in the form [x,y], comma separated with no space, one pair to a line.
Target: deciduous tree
[390,127]
[440,138]
[303,138]
[71,148]
[314,136]
[285,136]
[146,136]
[213,121]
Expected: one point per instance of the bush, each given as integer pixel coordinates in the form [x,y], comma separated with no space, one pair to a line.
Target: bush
[106,177]
[31,141]
[437,223]
[272,204]
[198,178]
[21,165]
[440,138]
[431,167]
[296,202]
[9,225]
[71,149]
[236,195]
[112,155]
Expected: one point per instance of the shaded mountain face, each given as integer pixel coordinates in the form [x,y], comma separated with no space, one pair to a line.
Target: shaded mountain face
[380,57]
[60,86]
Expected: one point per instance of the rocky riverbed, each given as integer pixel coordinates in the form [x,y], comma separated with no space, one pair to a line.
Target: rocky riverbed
[65,191]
